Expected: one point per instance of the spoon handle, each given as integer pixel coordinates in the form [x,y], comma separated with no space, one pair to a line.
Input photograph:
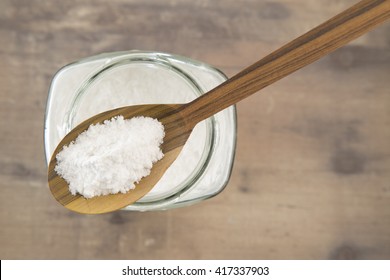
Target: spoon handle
[300,52]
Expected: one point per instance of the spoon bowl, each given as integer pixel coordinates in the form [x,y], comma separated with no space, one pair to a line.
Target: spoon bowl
[180,119]
[177,131]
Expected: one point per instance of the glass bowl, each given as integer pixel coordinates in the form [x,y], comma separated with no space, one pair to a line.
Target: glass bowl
[103,82]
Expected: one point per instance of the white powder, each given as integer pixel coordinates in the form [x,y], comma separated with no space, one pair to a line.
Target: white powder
[127,86]
[110,158]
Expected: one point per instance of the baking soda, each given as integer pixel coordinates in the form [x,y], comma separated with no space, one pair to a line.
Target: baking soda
[127,87]
[112,157]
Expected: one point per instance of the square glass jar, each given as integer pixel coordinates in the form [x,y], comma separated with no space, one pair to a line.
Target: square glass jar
[103,82]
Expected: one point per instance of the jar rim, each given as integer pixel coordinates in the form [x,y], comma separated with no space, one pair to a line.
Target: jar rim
[140,60]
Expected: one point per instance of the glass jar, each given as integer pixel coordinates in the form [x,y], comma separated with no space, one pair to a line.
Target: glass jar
[103,82]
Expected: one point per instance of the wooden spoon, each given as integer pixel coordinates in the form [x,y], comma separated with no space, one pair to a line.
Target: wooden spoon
[179,120]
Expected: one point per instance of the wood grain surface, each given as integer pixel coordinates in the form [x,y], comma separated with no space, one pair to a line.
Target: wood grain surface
[312,172]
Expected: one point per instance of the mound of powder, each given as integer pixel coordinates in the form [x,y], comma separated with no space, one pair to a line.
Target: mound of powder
[111,157]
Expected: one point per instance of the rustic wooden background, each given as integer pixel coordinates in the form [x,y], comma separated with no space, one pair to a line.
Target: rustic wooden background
[312,173]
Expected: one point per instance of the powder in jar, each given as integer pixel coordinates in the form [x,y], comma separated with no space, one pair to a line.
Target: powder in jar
[110,158]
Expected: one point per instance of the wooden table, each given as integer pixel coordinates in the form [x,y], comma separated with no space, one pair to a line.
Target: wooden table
[312,172]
